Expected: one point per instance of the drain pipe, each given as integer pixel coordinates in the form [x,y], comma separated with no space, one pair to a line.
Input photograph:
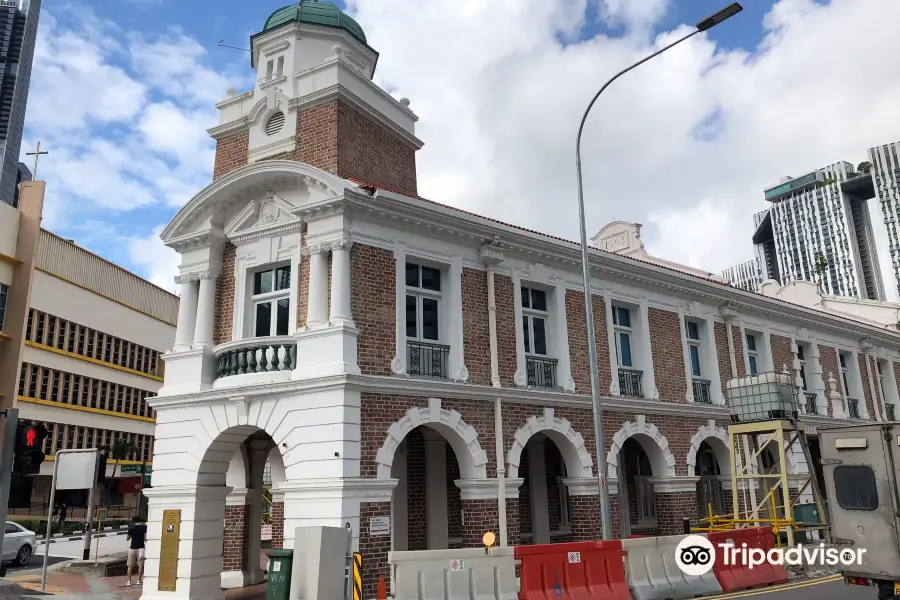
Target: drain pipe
[878,407]
[492,256]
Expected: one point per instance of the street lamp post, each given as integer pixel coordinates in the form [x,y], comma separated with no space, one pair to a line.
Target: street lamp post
[606,522]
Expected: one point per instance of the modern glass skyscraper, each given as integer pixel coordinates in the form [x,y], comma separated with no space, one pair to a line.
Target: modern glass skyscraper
[886,173]
[18,31]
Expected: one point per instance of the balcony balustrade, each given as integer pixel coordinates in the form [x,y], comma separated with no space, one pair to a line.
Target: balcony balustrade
[428,360]
[255,356]
[630,383]
[541,371]
[702,393]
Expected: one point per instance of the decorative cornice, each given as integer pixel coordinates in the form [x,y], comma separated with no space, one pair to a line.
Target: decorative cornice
[207,273]
[583,486]
[191,242]
[487,489]
[490,254]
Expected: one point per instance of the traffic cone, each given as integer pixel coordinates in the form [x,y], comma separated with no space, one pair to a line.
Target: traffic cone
[381,594]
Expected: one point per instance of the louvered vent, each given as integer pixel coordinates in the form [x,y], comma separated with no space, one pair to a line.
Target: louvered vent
[275,123]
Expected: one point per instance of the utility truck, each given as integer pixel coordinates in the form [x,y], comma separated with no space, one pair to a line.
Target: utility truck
[860,464]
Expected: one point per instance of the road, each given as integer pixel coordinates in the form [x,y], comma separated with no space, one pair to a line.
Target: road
[63,551]
[821,589]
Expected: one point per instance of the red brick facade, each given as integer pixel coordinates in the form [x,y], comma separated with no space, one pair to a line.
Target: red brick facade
[224,318]
[237,539]
[578,347]
[276,516]
[478,517]
[584,517]
[671,510]
[476,328]
[505,298]
[828,359]
[231,153]
[668,355]
[373,300]
[723,355]
[782,355]
[739,350]
[871,401]
[374,548]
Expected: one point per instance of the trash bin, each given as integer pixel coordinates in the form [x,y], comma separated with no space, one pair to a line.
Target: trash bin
[280,564]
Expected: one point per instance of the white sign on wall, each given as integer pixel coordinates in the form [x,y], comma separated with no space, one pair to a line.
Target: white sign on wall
[76,470]
[379,526]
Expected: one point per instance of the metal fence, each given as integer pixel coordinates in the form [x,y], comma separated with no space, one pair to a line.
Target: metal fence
[428,360]
[541,371]
[630,383]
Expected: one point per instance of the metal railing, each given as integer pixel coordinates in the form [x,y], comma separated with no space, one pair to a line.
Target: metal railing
[889,411]
[809,404]
[541,371]
[256,355]
[630,382]
[853,407]
[428,360]
[702,393]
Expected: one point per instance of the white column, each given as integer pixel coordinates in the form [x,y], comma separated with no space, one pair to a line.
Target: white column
[711,362]
[436,489]
[537,480]
[340,281]
[187,313]
[206,310]
[317,306]
[688,373]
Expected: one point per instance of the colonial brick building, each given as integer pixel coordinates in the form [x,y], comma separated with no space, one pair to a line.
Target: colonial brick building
[394,359]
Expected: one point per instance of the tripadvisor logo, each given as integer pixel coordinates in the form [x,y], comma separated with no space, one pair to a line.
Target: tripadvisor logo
[695,555]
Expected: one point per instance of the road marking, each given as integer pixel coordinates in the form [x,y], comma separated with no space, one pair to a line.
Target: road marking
[779,588]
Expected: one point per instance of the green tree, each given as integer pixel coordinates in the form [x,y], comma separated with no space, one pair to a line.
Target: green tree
[864,167]
[821,266]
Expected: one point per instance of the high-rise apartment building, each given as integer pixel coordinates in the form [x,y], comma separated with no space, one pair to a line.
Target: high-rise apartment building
[818,229]
[18,31]
[886,175]
[746,276]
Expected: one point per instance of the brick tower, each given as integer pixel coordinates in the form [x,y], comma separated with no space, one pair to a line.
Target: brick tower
[314,101]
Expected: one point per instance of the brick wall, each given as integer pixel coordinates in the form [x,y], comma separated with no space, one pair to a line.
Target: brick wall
[668,355]
[505,299]
[867,389]
[723,355]
[231,153]
[478,517]
[671,510]
[416,502]
[781,353]
[476,326]
[516,415]
[369,151]
[277,519]
[513,524]
[454,502]
[739,350]
[584,518]
[224,318]
[236,539]
[374,548]
[830,368]
[373,299]
[578,347]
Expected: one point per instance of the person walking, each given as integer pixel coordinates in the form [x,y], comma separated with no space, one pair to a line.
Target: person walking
[137,535]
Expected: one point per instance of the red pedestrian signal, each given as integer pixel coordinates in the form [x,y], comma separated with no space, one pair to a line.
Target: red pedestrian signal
[29,449]
[30,436]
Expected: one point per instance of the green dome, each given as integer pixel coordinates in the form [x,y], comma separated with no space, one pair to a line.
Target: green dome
[315,13]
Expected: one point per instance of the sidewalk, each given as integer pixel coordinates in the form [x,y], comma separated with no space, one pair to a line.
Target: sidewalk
[72,586]
[76,537]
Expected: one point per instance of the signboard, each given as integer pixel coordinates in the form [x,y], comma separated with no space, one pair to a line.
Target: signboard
[574,557]
[135,469]
[457,565]
[265,534]
[379,526]
[168,551]
[76,470]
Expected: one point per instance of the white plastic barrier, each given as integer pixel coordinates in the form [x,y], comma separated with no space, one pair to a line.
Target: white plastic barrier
[468,574]
[652,574]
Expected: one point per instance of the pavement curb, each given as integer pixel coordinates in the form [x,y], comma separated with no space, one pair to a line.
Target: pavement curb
[76,538]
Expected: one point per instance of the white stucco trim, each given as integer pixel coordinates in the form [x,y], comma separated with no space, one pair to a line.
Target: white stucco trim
[711,431]
[461,436]
[662,461]
[579,463]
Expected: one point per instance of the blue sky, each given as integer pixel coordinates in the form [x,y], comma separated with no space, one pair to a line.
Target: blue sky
[124,90]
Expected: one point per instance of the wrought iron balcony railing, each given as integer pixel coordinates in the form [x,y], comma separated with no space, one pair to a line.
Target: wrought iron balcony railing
[809,404]
[702,393]
[853,407]
[889,410]
[630,382]
[428,360]
[256,355]
[541,371]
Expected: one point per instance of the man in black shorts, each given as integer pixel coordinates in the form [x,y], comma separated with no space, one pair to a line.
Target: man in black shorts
[137,535]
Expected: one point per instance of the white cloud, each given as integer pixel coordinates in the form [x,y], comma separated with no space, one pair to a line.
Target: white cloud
[158,262]
[685,143]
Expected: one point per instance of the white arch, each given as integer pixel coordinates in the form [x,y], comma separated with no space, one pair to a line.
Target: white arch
[707,433]
[461,436]
[570,443]
[238,473]
[657,447]
[276,466]
[253,177]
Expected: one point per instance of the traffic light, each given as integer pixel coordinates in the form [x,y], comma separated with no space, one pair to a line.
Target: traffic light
[29,452]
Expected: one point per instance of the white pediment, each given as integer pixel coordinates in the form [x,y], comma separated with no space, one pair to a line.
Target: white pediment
[619,237]
[263,216]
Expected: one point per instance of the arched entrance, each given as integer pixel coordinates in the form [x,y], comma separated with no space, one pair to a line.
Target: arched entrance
[710,460]
[639,454]
[427,452]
